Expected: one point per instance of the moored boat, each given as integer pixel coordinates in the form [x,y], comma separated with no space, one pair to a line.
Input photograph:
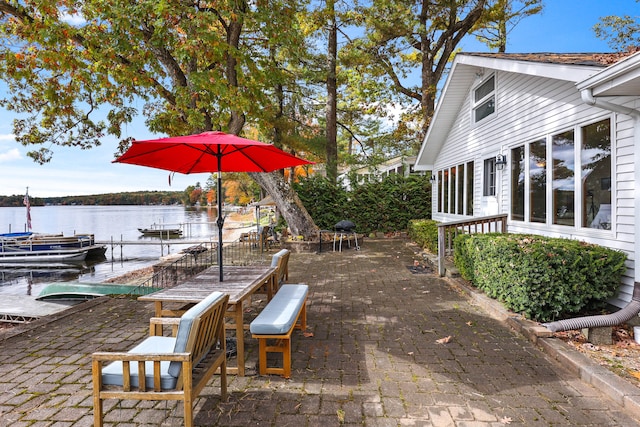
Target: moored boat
[161,232]
[46,248]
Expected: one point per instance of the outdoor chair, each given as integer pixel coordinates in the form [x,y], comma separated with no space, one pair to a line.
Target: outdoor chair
[167,368]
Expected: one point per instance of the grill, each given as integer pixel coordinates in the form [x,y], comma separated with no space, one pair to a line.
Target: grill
[344,229]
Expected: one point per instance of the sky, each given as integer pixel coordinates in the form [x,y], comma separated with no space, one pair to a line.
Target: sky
[565,26]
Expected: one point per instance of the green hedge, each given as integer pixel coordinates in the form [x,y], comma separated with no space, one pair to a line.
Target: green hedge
[539,277]
[386,206]
[424,232]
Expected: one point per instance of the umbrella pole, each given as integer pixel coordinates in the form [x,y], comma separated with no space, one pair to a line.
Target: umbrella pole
[220,223]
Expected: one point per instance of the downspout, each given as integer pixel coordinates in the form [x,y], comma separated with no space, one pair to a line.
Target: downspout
[633,307]
[623,315]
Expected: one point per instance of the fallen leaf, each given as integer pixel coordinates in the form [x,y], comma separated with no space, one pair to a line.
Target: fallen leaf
[307,334]
[444,340]
[505,420]
[410,353]
[469,323]
[635,374]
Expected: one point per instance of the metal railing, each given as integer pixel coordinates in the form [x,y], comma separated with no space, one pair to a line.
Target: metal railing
[447,232]
[198,258]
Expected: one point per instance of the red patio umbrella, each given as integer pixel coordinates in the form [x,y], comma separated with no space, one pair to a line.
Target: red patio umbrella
[209,152]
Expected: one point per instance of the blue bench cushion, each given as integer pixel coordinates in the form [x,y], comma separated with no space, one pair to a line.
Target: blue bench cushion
[281,312]
[184,329]
[112,373]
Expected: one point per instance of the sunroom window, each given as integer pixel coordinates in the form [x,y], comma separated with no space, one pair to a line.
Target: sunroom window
[455,189]
[579,164]
[484,99]
[595,156]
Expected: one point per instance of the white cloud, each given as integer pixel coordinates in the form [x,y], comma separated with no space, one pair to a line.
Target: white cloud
[76,19]
[12,154]
[7,137]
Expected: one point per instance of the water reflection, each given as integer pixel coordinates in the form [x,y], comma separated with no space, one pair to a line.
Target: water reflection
[110,224]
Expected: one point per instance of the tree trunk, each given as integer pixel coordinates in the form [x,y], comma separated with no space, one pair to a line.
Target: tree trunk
[290,206]
[332,106]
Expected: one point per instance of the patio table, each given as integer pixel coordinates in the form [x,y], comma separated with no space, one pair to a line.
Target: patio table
[240,282]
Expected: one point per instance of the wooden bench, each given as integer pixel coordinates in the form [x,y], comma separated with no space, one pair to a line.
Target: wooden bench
[286,311]
[173,368]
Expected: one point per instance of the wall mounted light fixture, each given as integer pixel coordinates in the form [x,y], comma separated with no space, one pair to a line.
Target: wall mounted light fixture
[432,178]
[501,161]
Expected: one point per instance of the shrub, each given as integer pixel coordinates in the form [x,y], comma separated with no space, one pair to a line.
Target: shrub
[386,205]
[324,201]
[542,278]
[425,233]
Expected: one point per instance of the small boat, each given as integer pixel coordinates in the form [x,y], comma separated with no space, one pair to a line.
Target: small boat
[86,291]
[29,247]
[161,232]
[13,255]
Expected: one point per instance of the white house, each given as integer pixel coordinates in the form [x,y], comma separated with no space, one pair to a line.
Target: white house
[552,140]
[400,165]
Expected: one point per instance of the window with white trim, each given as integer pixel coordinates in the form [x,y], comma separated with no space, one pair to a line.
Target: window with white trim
[455,189]
[489,181]
[565,178]
[484,99]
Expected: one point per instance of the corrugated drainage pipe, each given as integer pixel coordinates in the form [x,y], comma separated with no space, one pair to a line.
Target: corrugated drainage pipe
[627,313]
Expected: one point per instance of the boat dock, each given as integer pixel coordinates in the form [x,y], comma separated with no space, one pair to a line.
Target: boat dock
[112,245]
[25,308]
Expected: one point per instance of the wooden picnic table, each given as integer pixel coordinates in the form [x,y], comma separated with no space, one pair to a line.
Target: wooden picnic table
[240,282]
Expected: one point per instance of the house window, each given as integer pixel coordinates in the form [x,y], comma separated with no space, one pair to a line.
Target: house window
[484,99]
[546,185]
[460,202]
[517,183]
[595,159]
[452,198]
[445,191]
[440,191]
[469,195]
[563,172]
[455,189]
[538,181]
[489,183]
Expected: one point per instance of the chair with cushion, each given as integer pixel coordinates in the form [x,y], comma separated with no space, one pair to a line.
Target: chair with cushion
[167,368]
[279,261]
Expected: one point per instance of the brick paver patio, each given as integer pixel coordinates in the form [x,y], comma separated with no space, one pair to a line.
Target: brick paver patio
[389,348]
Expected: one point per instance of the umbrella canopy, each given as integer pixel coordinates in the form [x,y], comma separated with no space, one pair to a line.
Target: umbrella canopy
[209,152]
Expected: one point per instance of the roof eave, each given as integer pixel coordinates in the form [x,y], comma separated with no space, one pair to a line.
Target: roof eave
[558,71]
[619,79]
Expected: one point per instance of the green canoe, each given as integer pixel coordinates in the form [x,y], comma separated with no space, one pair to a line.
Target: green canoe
[77,290]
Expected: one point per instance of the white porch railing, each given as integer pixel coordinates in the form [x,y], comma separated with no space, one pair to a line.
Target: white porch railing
[447,231]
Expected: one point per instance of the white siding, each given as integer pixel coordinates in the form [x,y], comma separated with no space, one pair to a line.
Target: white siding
[529,108]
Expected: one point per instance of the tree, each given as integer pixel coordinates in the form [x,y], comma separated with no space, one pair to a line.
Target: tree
[402,36]
[196,66]
[621,32]
[239,188]
[332,93]
[502,18]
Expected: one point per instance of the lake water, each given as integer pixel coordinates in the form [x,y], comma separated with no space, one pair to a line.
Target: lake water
[107,223]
